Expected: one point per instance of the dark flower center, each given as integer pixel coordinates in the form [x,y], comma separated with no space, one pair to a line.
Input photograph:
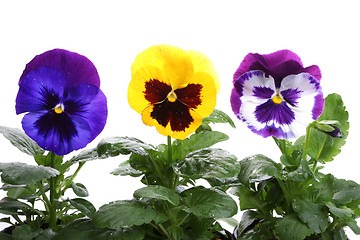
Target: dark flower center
[59,125]
[57,121]
[271,111]
[172,105]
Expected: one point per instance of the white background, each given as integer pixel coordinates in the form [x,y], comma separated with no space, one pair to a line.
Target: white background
[112,33]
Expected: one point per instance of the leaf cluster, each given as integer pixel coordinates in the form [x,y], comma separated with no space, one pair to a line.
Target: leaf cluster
[35,193]
[169,206]
[293,199]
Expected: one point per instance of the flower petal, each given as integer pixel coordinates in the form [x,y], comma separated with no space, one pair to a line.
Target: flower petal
[255,61]
[142,91]
[206,94]
[89,103]
[173,61]
[202,63]
[56,132]
[309,99]
[40,89]
[76,68]
[254,86]
[172,119]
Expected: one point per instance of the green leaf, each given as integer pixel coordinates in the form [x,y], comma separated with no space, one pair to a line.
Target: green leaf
[292,228]
[248,219]
[11,206]
[209,163]
[323,147]
[19,139]
[302,173]
[209,203]
[24,232]
[248,199]
[122,145]
[321,191]
[198,141]
[176,232]
[256,167]
[343,212]
[110,147]
[158,192]
[312,214]
[125,169]
[79,189]
[345,191]
[21,173]
[18,191]
[80,229]
[4,236]
[353,225]
[47,234]
[119,234]
[218,116]
[84,206]
[124,213]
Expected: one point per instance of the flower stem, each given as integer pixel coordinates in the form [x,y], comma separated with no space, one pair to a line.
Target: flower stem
[169,149]
[165,231]
[306,144]
[70,181]
[286,192]
[52,207]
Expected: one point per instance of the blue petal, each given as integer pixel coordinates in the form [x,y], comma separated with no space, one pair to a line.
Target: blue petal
[88,102]
[57,132]
[40,89]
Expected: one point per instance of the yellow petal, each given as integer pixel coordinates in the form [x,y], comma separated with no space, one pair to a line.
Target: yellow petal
[202,63]
[136,96]
[207,93]
[173,61]
[166,131]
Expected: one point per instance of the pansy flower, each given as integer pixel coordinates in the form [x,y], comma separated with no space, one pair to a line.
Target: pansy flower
[173,89]
[65,108]
[275,95]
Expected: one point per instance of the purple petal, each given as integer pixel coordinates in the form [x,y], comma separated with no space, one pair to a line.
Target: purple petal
[40,89]
[306,91]
[263,62]
[91,106]
[76,68]
[291,96]
[235,101]
[277,113]
[314,71]
[54,134]
[253,86]
[263,92]
[272,130]
[278,64]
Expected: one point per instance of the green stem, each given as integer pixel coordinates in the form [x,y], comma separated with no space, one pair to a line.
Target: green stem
[285,191]
[165,232]
[44,198]
[70,181]
[18,219]
[306,144]
[52,207]
[187,215]
[169,149]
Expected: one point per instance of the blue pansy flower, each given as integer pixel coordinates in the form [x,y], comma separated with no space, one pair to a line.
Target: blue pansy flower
[275,95]
[59,91]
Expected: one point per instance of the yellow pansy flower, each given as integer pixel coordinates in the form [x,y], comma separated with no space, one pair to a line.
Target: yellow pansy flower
[173,89]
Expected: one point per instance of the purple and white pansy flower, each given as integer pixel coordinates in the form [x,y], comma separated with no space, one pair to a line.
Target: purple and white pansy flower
[275,95]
